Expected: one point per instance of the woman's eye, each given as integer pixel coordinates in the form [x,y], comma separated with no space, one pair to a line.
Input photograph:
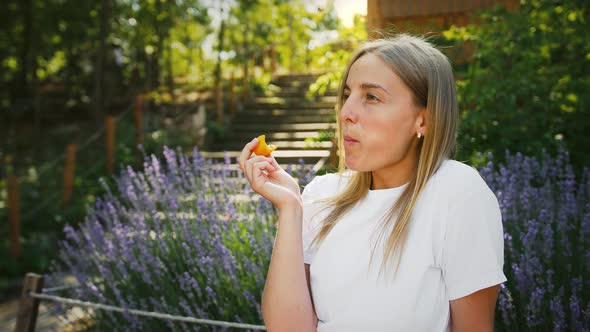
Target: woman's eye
[371,97]
[345,95]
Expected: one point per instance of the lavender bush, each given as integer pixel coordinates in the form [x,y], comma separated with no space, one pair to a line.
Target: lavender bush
[186,236]
[546,215]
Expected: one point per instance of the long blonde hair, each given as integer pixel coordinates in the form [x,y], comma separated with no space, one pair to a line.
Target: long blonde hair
[428,74]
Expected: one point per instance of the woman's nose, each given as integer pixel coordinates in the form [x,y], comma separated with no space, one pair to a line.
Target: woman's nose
[348,113]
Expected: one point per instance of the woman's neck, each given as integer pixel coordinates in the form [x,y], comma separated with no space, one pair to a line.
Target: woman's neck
[394,175]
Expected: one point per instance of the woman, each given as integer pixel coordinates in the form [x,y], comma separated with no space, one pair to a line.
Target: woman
[404,239]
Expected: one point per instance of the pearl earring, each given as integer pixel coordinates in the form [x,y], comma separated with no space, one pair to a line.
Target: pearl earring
[419,135]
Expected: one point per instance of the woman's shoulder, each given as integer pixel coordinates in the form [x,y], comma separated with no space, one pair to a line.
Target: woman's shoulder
[325,185]
[457,179]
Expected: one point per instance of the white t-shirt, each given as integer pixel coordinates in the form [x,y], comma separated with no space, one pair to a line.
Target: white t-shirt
[454,247]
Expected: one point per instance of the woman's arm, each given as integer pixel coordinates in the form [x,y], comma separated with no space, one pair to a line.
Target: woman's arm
[474,312]
[286,299]
[315,317]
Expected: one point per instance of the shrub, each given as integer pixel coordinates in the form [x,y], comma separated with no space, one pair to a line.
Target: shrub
[525,85]
[186,237]
[546,216]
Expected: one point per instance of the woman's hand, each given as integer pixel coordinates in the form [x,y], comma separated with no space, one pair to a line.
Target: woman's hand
[268,178]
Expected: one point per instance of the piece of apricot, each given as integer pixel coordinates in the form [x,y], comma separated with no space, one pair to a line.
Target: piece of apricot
[262,149]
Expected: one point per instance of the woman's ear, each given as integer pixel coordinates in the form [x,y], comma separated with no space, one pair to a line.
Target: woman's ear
[421,122]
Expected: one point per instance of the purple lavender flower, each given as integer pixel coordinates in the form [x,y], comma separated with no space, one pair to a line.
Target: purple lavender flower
[575,314]
[506,305]
[558,314]
[534,315]
[180,229]
[192,233]
[545,217]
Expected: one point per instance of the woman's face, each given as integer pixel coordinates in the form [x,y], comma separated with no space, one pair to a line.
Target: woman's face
[379,118]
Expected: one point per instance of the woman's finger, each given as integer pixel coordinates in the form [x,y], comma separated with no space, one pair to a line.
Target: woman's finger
[257,169]
[261,166]
[247,152]
[249,164]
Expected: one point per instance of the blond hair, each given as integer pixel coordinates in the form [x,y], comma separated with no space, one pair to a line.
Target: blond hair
[427,72]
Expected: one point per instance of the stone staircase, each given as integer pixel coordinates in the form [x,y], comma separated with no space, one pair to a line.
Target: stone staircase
[296,124]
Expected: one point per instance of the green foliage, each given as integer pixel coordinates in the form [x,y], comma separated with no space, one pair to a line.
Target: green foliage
[149,43]
[217,131]
[43,214]
[323,136]
[288,26]
[525,86]
[261,83]
[324,83]
[332,58]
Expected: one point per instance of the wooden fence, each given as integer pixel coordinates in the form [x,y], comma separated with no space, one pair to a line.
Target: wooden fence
[14,185]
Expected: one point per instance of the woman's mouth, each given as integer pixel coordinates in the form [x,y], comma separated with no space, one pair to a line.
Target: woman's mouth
[349,141]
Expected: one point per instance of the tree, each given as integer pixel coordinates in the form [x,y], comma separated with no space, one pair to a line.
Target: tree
[106,12]
[525,86]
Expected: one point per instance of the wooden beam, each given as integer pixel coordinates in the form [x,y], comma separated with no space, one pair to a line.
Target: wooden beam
[14,215]
[28,307]
[110,143]
[69,172]
[138,117]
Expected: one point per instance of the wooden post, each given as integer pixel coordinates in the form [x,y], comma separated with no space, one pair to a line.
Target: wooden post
[232,96]
[28,308]
[263,55]
[269,60]
[244,91]
[219,103]
[110,143]
[273,63]
[138,115]
[14,215]
[69,171]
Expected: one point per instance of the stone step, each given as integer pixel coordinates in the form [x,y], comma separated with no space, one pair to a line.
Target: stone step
[286,79]
[274,127]
[295,77]
[298,89]
[295,99]
[283,145]
[235,176]
[273,136]
[287,89]
[303,105]
[298,74]
[285,118]
[234,168]
[283,112]
[282,156]
[302,84]
[282,94]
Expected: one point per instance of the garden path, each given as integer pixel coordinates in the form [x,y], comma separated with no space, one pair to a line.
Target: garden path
[299,125]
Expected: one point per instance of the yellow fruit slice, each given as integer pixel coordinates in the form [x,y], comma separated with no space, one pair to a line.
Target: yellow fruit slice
[263,149]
